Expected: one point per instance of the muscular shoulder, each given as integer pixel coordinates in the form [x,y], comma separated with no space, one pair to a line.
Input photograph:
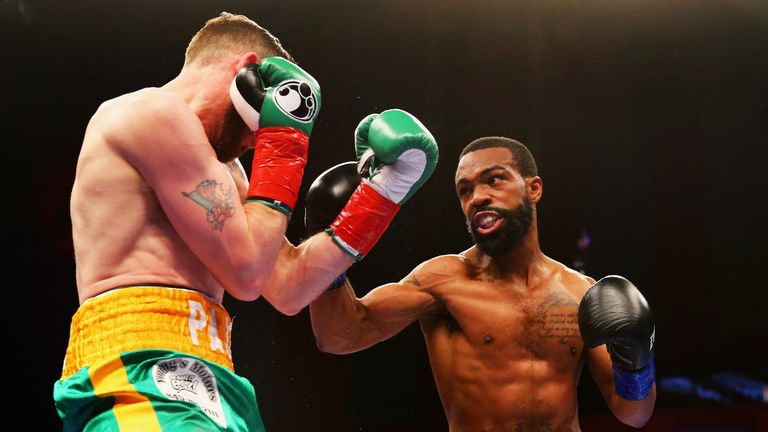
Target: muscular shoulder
[438,270]
[145,104]
[576,282]
[147,113]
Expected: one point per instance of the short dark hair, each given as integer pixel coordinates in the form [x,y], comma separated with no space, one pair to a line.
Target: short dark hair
[229,33]
[522,158]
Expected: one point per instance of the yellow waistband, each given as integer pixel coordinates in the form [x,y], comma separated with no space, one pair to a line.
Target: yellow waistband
[148,317]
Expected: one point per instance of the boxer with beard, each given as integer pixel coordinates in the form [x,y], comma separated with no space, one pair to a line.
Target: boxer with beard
[508,329]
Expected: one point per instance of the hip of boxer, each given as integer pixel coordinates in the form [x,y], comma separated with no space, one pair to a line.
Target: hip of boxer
[153,358]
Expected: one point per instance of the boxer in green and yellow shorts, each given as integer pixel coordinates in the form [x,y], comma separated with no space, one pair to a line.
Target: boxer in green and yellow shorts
[153,359]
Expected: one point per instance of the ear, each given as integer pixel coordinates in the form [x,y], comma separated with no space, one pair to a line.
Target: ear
[535,188]
[247,58]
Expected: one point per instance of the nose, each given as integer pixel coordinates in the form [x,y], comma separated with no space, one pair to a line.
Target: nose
[480,197]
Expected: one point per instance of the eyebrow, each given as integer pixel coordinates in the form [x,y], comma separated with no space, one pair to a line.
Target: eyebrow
[483,172]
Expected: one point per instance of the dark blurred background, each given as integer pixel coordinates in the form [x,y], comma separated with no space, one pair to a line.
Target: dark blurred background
[648,120]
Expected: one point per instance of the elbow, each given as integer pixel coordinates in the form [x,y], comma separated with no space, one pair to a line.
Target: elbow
[288,309]
[635,422]
[244,295]
[641,423]
[322,346]
[636,418]
[328,342]
[640,412]
[331,348]
[339,343]
[324,338]
[286,304]
[246,288]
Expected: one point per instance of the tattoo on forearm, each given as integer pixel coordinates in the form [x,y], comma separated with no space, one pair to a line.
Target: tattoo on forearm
[413,280]
[217,199]
[556,317]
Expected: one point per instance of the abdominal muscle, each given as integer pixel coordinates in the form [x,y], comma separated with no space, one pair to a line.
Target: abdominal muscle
[523,394]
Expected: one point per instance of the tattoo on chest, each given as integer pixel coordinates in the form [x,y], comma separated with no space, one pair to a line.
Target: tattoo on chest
[556,318]
[413,280]
[216,199]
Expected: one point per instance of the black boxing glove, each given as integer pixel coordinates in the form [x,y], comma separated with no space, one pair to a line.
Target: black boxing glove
[326,197]
[615,313]
[328,194]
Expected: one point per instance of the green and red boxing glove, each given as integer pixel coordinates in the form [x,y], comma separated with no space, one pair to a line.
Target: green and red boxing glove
[278,101]
[396,155]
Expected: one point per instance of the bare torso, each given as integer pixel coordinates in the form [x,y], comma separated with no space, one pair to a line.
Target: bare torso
[121,234]
[507,357]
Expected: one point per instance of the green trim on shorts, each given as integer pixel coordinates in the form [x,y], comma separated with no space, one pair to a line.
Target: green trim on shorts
[79,407]
[187,393]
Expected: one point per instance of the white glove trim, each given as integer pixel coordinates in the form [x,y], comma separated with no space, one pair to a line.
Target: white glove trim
[248,113]
[395,181]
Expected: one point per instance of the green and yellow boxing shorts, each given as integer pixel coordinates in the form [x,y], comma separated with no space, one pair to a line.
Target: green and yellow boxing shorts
[150,358]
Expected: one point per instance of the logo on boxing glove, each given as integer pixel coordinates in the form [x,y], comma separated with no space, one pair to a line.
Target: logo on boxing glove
[296,100]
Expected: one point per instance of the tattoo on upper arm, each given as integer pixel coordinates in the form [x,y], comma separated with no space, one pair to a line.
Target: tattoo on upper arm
[413,280]
[217,199]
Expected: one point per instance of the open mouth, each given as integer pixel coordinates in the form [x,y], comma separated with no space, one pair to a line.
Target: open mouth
[487,222]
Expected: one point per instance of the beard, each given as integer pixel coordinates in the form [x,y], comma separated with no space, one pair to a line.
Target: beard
[233,131]
[510,236]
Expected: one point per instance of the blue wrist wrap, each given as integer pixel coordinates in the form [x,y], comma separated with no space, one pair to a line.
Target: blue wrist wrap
[634,385]
[338,282]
